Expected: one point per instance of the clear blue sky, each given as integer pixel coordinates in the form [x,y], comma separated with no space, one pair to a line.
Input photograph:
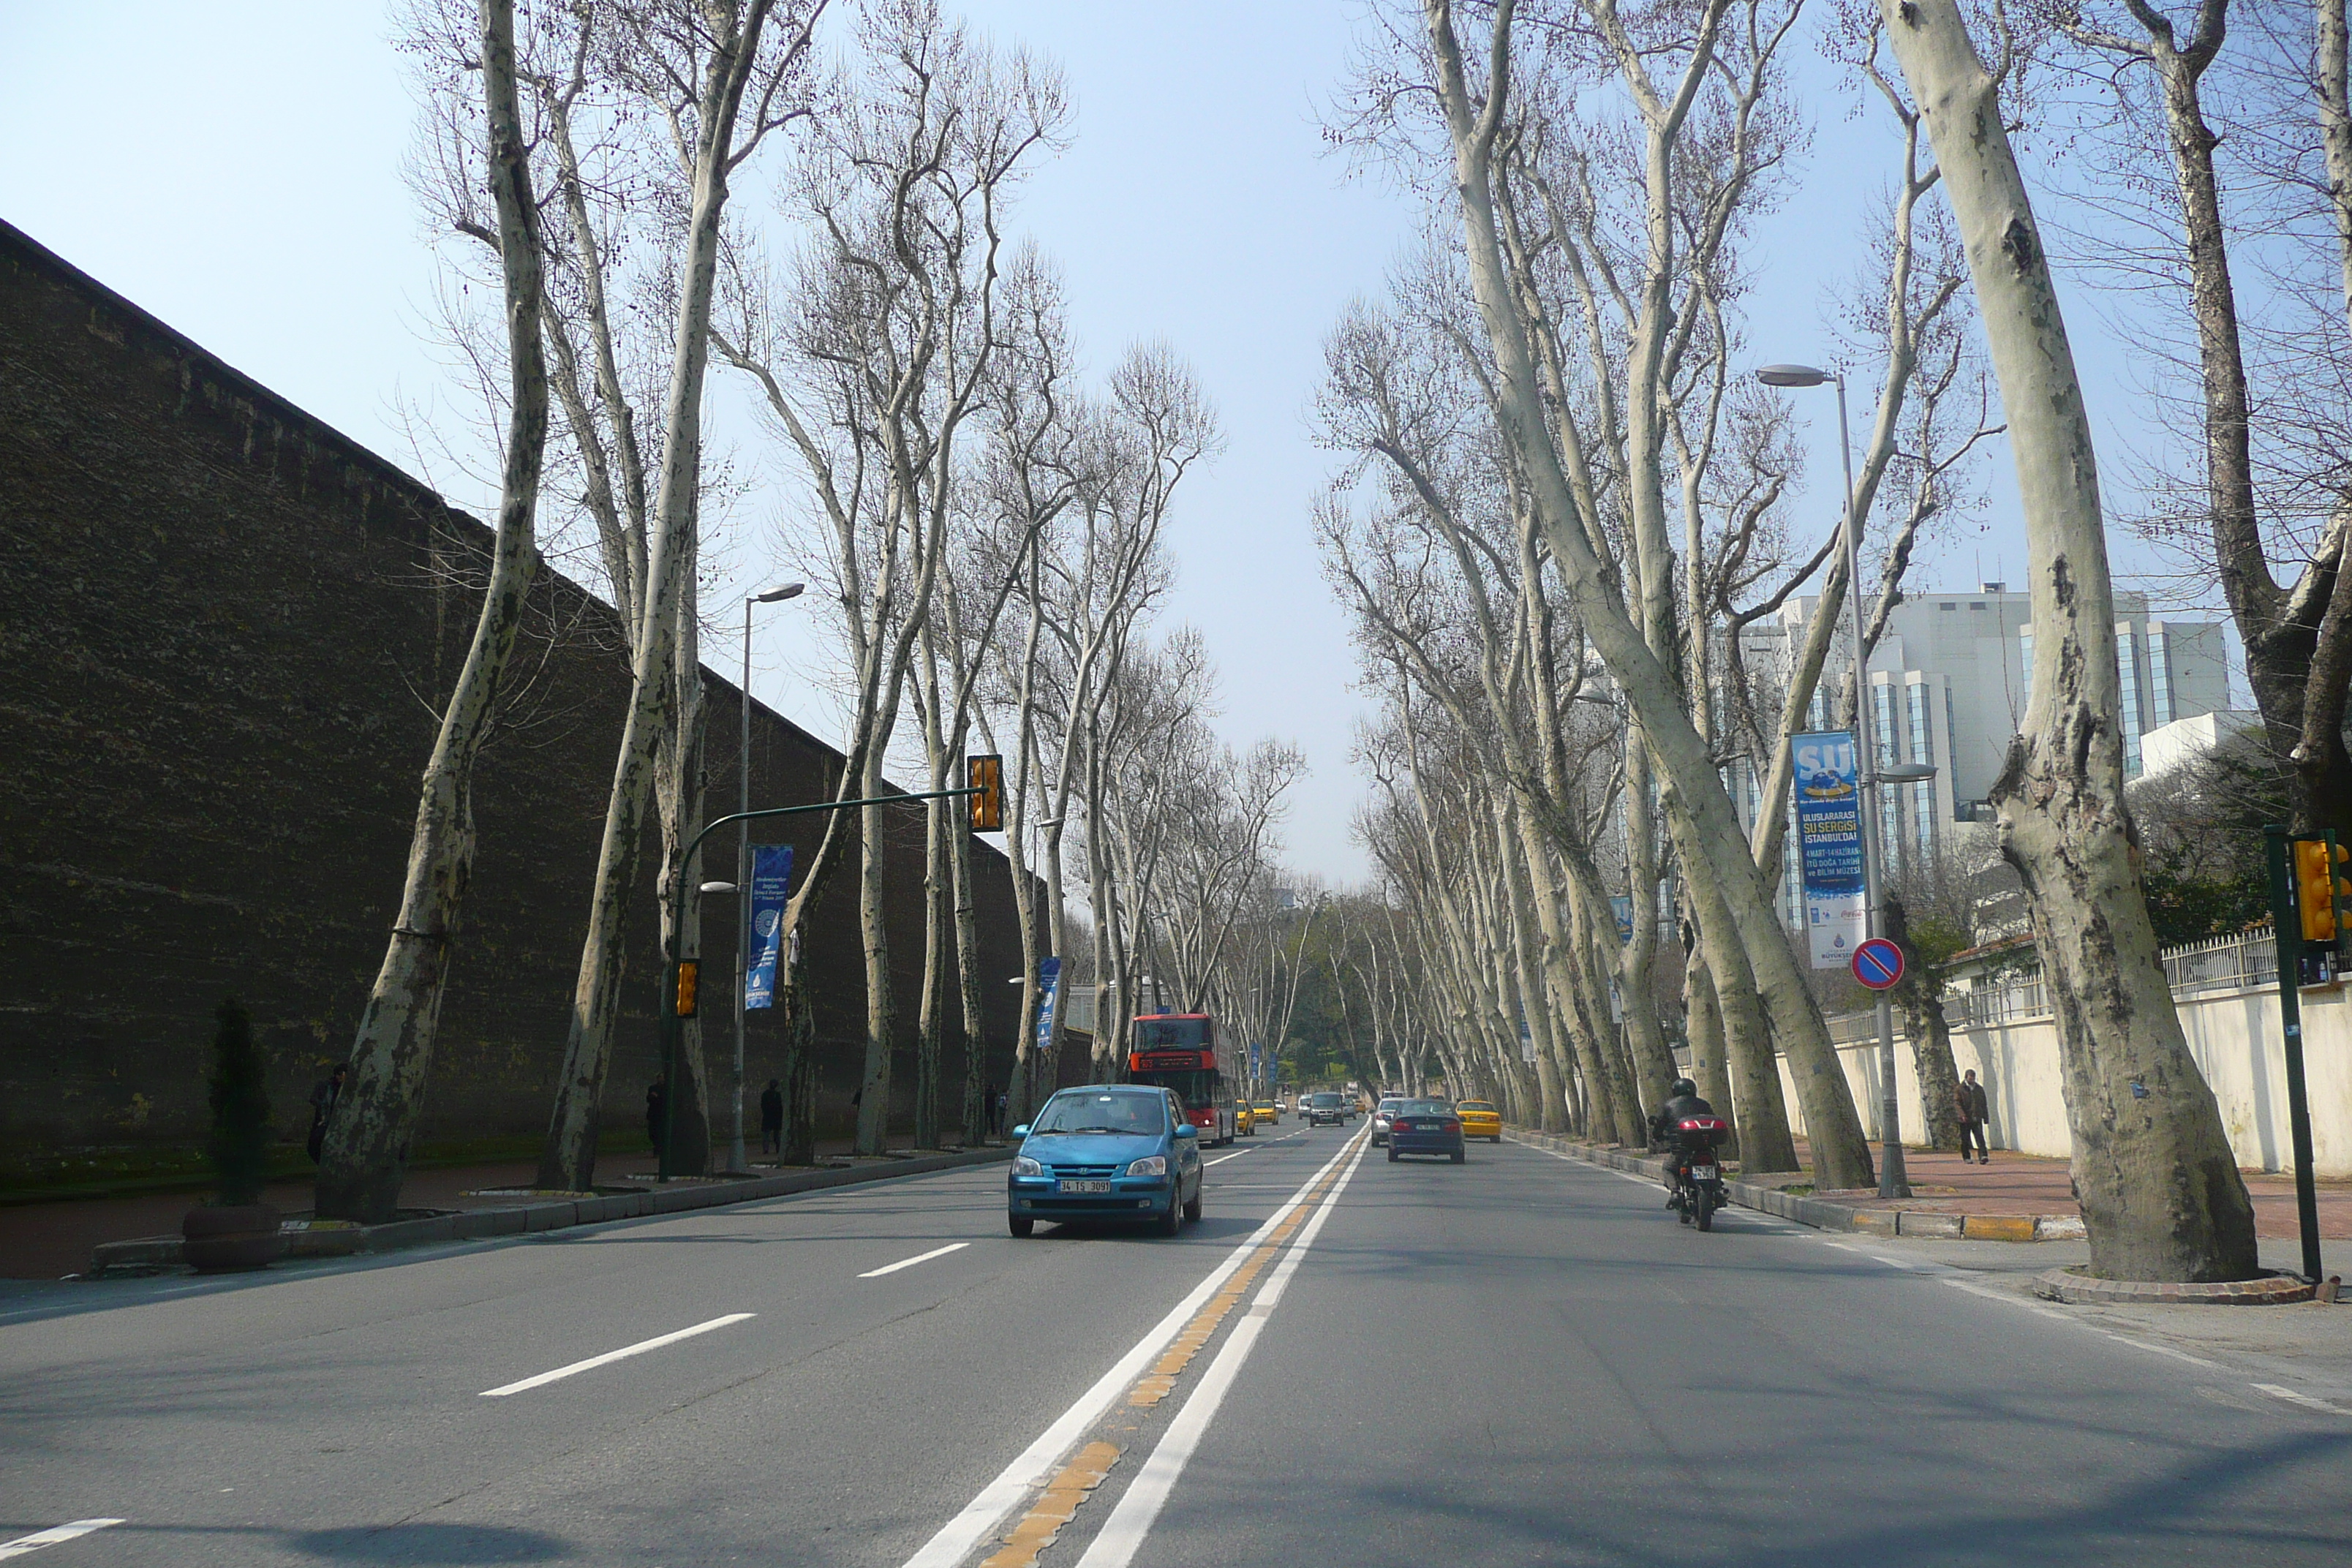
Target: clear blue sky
[235,168]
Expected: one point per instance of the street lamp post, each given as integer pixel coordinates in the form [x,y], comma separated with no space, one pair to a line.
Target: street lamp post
[743,859]
[1892,1182]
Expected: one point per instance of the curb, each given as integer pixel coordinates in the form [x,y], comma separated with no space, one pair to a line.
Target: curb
[2078,1289]
[333,1238]
[1822,1215]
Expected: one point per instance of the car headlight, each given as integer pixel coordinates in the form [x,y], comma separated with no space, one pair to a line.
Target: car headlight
[1023,1166]
[1149,1165]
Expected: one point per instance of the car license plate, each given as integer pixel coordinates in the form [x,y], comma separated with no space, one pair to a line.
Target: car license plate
[1082,1187]
[1702,1173]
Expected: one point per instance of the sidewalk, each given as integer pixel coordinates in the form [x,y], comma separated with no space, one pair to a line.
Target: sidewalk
[2031,1184]
[51,1241]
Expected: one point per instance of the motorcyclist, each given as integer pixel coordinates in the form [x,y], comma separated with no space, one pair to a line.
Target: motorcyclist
[1682,1100]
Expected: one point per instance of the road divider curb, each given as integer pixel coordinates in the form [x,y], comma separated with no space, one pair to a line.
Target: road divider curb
[310,1238]
[1822,1213]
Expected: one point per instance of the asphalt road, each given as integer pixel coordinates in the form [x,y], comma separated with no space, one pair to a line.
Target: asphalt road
[1522,1360]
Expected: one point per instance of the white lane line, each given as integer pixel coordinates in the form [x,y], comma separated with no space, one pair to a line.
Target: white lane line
[2160,1350]
[957,1537]
[1222,1158]
[919,1257]
[2291,1397]
[1122,1535]
[40,1538]
[640,1348]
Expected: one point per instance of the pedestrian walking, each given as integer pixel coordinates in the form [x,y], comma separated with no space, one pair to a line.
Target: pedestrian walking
[772,1120]
[323,1095]
[1969,1099]
[1001,1104]
[654,1108]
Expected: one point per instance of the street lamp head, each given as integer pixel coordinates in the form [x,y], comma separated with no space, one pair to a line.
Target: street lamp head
[789,591]
[1906,772]
[1793,375]
[718,887]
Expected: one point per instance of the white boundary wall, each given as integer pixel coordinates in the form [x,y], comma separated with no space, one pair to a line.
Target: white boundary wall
[2233,1034]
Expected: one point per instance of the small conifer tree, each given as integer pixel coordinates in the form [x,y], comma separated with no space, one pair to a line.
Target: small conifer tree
[240,1104]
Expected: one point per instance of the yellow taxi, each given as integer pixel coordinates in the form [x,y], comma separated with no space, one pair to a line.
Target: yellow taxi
[1266,1114]
[1480,1120]
[1245,1119]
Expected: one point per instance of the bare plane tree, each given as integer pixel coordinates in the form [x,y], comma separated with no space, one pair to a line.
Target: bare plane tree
[367,1140]
[2159,1188]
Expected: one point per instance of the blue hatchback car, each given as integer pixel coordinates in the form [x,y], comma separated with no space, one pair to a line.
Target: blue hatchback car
[1107,1152]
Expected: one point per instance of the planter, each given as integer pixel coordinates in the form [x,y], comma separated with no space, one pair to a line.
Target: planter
[219,1241]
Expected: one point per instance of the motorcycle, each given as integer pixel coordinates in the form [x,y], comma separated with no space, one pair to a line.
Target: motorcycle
[1694,1169]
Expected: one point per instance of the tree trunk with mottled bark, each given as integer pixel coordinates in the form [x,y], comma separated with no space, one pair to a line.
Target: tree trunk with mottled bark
[365,1153]
[2153,1170]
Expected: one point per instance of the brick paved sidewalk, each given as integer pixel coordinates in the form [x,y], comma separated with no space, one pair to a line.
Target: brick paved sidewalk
[2031,1184]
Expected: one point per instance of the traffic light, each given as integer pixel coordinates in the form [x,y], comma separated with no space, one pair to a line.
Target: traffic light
[986,775]
[2319,885]
[689,980]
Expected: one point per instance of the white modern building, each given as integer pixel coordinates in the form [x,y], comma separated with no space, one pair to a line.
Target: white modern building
[1948,682]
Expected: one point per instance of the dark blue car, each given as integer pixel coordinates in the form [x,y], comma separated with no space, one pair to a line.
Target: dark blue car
[1107,1152]
[1425,1127]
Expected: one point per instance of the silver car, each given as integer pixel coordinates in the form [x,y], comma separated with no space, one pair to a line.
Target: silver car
[1381,1114]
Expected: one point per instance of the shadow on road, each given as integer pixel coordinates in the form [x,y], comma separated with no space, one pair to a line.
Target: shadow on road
[431,1543]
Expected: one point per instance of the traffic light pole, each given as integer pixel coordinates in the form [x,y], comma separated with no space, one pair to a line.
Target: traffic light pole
[680,990]
[2286,920]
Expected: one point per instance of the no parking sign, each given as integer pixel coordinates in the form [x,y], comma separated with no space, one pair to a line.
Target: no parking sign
[1878,963]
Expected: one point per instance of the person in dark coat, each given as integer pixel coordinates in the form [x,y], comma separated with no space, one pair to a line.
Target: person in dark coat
[771,1119]
[323,1096]
[1969,1099]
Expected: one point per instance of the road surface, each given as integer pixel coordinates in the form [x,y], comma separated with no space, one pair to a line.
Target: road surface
[1522,1360]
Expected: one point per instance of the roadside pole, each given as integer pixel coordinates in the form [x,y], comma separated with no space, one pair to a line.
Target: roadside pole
[2286,920]
[682,979]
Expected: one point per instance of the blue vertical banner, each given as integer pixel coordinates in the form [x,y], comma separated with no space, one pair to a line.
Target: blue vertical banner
[1622,907]
[1829,845]
[1256,1061]
[1049,1000]
[772,876]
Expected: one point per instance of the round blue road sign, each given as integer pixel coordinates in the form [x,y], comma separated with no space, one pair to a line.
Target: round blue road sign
[1878,963]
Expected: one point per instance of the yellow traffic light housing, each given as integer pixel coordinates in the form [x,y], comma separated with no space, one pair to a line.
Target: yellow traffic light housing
[2315,887]
[986,775]
[689,981]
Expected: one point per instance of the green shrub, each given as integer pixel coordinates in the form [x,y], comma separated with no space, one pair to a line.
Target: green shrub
[239,1088]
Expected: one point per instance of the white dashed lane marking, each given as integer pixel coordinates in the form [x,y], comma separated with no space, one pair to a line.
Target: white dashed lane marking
[640,1348]
[63,1532]
[919,1257]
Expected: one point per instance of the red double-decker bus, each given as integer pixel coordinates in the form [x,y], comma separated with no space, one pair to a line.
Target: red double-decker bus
[1178,1051]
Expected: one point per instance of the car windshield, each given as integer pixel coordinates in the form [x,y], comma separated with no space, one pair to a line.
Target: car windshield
[1115,1111]
[1389,1105]
[1424,1107]
[1476,1105]
[1327,1100]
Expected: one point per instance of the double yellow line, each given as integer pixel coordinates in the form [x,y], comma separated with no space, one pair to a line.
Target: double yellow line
[1058,1503]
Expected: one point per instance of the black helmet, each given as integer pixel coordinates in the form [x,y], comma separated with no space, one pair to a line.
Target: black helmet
[1683,1087]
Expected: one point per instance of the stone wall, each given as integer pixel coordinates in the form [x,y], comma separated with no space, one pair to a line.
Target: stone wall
[226,632]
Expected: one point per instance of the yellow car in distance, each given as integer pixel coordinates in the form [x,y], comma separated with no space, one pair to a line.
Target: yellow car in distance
[1480,1120]
[1266,1114]
[1245,1119]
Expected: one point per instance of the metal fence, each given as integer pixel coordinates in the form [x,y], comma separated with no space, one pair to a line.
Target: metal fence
[2018,993]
